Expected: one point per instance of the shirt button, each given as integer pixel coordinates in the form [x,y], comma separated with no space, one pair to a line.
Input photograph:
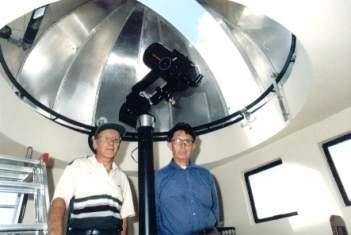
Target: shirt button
[194,213]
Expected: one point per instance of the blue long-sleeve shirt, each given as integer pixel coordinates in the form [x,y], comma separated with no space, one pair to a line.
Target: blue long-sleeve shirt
[186,200]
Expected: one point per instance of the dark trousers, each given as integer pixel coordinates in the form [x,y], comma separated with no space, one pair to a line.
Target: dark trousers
[92,232]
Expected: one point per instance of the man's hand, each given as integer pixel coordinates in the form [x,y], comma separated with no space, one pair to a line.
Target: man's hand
[124,227]
[56,216]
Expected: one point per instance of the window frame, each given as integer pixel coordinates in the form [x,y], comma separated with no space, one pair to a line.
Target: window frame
[338,180]
[251,197]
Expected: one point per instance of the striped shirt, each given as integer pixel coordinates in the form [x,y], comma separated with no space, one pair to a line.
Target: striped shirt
[96,198]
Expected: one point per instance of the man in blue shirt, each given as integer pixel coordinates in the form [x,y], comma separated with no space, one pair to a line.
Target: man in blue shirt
[186,196]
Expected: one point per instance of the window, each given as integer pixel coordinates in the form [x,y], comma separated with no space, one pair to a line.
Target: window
[269,192]
[338,154]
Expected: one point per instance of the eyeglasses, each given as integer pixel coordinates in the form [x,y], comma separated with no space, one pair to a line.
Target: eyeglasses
[178,141]
[109,140]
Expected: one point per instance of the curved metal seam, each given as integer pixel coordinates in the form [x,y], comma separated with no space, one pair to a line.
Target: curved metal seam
[161,135]
[36,102]
[103,68]
[269,89]
[92,32]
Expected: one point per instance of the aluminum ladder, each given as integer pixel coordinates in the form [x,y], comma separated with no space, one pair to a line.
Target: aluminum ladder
[23,178]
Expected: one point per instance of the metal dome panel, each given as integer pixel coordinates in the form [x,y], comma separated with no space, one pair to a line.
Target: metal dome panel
[87,57]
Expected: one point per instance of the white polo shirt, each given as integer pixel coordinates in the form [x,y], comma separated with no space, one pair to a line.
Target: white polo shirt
[99,197]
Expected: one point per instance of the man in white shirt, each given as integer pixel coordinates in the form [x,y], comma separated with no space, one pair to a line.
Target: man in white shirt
[94,191]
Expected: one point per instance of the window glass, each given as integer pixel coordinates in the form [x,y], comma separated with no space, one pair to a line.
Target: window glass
[338,154]
[269,192]
[341,154]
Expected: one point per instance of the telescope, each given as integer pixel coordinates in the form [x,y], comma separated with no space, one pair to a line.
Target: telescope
[177,72]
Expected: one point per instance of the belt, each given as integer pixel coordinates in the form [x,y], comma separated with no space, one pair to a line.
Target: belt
[211,231]
[91,232]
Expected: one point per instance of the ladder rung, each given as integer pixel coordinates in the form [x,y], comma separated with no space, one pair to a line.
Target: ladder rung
[23,227]
[7,206]
[13,176]
[16,168]
[19,159]
[19,187]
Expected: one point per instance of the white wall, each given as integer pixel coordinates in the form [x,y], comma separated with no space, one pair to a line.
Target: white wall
[317,194]
[316,190]
[316,31]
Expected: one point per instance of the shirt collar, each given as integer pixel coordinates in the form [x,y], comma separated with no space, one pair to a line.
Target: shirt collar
[174,165]
[95,162]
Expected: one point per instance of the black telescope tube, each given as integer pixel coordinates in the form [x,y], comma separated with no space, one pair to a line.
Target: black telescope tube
[147,212]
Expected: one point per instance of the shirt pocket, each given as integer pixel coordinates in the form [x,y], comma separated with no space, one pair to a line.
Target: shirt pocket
[202,193]
[174,188]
